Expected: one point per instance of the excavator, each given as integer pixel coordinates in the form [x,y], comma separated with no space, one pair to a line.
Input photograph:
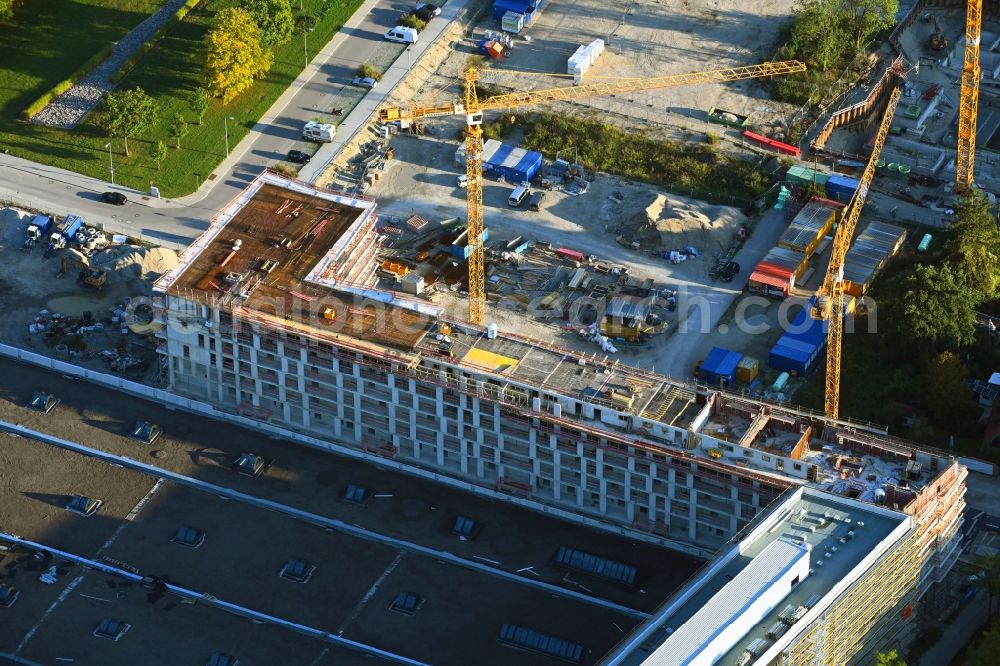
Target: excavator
[938,42]
[87,275]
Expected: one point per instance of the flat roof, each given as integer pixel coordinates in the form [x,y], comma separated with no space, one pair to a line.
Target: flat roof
[841,533]
[689,642]
[404,507]
[269,254]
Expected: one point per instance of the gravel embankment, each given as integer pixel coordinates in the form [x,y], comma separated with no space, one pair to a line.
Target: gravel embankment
[67,110]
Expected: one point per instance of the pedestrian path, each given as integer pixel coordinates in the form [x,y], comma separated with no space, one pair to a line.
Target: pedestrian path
[365,111]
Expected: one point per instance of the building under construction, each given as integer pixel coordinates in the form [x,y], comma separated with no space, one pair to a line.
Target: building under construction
[272,313]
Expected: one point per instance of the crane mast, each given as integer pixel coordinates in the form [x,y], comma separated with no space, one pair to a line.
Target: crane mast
[472,108]
[828,303]
[965,160]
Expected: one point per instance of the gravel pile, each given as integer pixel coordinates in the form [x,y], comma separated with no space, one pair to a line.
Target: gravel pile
[67,110]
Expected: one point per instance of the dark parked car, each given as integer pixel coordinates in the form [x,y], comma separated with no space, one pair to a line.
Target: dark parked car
[298,157]
[43,402]
[425,12]
[116,198]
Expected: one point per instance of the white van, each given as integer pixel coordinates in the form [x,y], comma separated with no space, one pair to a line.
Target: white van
[519,194]
[321,132]
[402,34]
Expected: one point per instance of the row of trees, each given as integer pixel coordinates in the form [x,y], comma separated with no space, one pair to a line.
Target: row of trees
[237,52]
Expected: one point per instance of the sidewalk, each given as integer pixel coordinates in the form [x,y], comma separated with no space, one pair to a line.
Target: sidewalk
[364,112]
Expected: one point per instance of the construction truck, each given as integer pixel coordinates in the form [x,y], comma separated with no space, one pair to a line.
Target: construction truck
[37,230]
[87,275]
[63,233]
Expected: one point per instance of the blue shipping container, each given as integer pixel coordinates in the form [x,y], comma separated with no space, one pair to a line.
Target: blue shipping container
[501,7]
[515,165]
[787,359]
[841,188]
[806,328]
[720,365]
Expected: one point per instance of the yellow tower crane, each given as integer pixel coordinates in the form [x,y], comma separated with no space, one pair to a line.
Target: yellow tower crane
[969,104]
[473,109]
[828,302]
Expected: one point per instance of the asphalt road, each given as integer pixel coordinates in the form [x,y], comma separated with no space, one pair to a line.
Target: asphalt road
[324,85]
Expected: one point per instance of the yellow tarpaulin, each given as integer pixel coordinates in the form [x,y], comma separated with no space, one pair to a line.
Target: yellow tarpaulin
[489,360]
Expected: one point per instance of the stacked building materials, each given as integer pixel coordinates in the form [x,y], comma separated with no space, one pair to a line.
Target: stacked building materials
[777,273]
[810,225]
[719,367]
[501,161]
[841,188]
[869,253]
[585,56]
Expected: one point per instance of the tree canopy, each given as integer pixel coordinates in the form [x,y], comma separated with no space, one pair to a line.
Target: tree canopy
[273,17]
[235,56]
[974,247]
[6,10]
[126,113]
[931,306]
[890,658]
[824,31]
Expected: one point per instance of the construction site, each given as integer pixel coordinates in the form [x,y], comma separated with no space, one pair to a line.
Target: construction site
[518,332]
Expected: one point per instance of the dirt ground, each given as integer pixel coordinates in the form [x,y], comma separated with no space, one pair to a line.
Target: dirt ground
[643,38]
[463,609]
[422,180]
[32,291]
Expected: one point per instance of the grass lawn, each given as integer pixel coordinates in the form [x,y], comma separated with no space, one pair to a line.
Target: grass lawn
[47,41]
[168,72]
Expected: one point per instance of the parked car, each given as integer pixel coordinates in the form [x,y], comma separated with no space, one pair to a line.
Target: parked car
[463,181]
[43,402]
[428,9]
[364,82]
[116,198]
[298,157]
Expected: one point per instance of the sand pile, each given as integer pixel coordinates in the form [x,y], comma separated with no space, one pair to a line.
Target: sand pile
[661,222]
[130,262]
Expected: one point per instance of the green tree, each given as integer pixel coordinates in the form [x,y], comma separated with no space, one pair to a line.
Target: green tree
[863,19]
[974,248]
[946,395]
[986,649]
[198,101]
[931,306]
[6,10]
[305,23]
[126,113]
[178,129]
[817,34]
[158,151]
[890,658]
[234,55]
[273,17]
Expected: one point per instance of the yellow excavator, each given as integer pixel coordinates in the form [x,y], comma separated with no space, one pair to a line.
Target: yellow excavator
[87,275]
[938,42]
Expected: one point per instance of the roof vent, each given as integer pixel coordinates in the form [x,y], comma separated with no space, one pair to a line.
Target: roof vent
[237,244]
[233,278]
